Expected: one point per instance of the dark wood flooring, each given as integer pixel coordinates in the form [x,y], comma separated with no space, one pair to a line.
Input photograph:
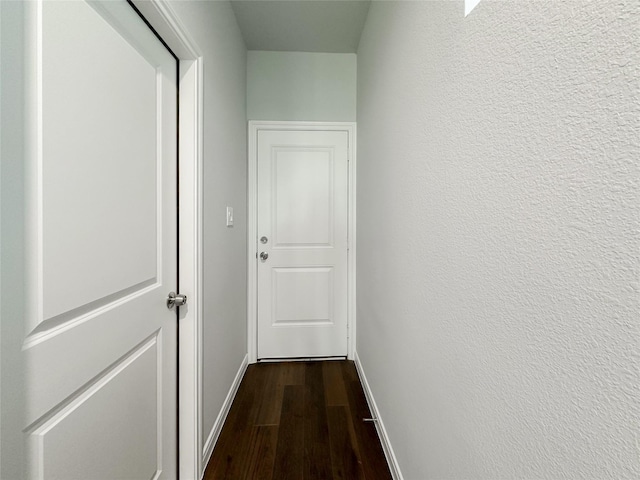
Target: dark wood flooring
[299,421]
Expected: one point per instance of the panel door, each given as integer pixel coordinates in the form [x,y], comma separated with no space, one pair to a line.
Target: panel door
[99,344]
[302,243]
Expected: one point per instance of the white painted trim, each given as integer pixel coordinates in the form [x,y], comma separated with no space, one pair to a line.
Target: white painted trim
[351,234]
[191,355]
[214,434]
[252,226]
[252,243]
[166,22]
[1,173]
[375,413]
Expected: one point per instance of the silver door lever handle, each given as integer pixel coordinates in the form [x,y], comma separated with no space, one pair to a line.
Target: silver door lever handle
[264,256]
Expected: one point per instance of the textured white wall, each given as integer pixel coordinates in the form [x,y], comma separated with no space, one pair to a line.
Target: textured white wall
[301,86]
[498,236]
[214,28]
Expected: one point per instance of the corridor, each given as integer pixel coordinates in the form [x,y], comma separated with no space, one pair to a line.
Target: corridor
[299,420]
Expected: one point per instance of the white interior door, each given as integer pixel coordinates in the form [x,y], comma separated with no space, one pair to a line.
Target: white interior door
[302,243]
[99,349]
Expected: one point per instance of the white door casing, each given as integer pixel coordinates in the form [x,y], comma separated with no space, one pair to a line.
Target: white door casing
[304,208]
[193,454]
[99,344]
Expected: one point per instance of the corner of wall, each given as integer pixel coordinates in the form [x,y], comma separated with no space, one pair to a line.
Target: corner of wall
[394,466]
[214,434]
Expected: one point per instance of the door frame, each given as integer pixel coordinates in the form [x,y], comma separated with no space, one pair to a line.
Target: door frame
[164,20]
[252,227]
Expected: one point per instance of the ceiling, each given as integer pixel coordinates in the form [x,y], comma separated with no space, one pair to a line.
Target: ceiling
[332,26]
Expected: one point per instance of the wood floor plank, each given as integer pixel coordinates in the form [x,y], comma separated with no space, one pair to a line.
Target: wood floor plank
[277,376]
[335,391]
[271,395]
[289,461]
[252,384]
[317,456]
[228,460]
[293,373]
[352,433]
[345,461]
[262,452]
[349,372]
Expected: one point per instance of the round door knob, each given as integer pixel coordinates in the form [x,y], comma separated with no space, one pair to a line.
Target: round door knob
[174,300]
[264,256]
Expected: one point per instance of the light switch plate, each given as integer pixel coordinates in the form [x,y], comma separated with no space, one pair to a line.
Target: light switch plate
[229,216]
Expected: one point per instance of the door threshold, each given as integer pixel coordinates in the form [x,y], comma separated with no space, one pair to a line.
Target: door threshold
[301,359]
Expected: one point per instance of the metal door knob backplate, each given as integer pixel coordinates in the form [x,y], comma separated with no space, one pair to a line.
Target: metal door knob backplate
[264,256]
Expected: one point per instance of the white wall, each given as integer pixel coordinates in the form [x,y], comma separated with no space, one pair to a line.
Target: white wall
[213,27]
[12,240]
[498,236]
[301,86]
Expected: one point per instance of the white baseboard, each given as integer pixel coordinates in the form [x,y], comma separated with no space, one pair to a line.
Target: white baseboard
[382,433]
[222,416]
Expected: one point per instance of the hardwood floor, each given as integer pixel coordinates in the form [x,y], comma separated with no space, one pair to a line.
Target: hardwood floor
[299,421]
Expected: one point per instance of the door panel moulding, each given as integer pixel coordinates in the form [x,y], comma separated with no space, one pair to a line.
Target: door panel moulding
[167,24]
[252,219]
